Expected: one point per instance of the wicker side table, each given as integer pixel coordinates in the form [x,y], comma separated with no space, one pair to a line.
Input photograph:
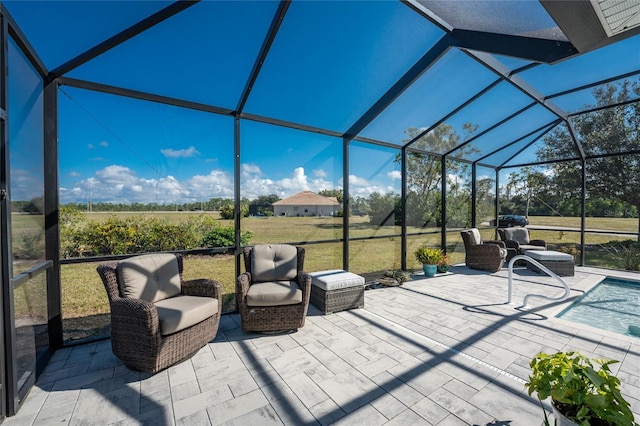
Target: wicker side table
[336,290]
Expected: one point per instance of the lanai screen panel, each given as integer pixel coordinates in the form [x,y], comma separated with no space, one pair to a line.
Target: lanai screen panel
[445,86]
[331,61]
[195,55]
[61,30]
[585,69]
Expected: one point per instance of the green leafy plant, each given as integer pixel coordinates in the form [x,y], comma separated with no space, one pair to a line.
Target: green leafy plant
[224,236]
[581,393]
[428,255]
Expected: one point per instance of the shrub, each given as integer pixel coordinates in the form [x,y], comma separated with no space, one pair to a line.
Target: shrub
[224,236]
[630,257]
[29,245]
[141,234]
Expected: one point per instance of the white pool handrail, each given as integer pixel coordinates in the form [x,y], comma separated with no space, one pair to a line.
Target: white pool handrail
[567,290]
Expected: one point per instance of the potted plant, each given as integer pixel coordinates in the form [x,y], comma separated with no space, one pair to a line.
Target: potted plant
[580,394]
[443,265]
[430,258]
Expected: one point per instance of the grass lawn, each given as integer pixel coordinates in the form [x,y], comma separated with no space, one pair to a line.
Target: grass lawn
[84,301]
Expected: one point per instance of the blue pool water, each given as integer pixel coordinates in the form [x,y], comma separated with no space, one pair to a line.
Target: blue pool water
[612,305]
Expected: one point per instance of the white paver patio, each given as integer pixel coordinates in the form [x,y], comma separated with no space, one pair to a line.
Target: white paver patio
[437,351]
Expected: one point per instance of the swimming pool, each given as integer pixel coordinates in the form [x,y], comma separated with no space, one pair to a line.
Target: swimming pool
[612,305]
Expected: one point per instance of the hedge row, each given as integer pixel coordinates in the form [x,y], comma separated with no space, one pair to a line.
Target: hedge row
[139,234]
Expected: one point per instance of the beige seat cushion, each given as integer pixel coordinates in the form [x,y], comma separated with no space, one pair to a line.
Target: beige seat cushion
[519,235]
[150,277]
[335,279]
[274,294]
[275,262]
[180,312]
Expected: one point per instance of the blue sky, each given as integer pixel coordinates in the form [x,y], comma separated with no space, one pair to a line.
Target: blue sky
[329,63]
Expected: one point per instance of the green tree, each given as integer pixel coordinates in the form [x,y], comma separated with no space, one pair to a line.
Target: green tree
[383,208]
[332,193]
[271,198]
[529,184]
[424,171]
[602,132]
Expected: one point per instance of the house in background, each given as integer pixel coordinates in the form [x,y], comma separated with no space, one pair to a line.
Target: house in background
[307,203]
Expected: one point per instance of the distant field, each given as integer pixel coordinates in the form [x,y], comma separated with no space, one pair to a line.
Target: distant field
[85,307]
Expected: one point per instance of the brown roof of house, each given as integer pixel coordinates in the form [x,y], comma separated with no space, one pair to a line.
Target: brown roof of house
[307,198]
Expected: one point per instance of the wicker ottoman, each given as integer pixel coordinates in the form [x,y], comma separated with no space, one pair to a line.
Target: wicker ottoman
[558,262]
[336,290]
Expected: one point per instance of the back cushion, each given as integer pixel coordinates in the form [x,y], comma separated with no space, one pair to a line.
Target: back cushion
[150,277]
[475,236]
[520,235]
[277,262]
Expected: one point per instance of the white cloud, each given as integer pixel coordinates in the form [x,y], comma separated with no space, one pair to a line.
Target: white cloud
[319,173]
[90,146]
[180,153]
[248,169]
[119,184]
[394,174]
[104,144]
[357,181]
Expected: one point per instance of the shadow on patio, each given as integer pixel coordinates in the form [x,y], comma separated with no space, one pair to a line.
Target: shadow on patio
[434,351]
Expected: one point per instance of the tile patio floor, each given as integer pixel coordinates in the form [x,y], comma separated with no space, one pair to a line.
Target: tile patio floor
[439,351]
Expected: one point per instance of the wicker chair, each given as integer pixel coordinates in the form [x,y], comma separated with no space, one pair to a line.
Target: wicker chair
[518,240]
[157,318]
[483,255]
[273,294]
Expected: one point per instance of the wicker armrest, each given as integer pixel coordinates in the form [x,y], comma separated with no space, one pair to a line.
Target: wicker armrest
[541,243]
[513,244]
[304,281]
[202,287]
[495,242]
[485,249]
[242,284]
[135,314]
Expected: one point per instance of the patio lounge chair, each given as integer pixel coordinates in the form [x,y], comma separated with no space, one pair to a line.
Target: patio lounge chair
[273,294]
[483,255]
[518,240]
[157,318]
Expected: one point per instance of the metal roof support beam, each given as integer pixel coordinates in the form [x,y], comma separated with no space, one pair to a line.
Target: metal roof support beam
[505,73]
[52,215]
[264,50]
[497,67]
[455,111]
[403,208]
[594,84]
[346,209]
[487,130]
[443,203]
[419,68]
[119,91]
[572,133]
[600,108]
[583,215]
[533,49]
[551,127]
[542,163]
[122,36]
[531,133]
[23,44]
[474,194]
